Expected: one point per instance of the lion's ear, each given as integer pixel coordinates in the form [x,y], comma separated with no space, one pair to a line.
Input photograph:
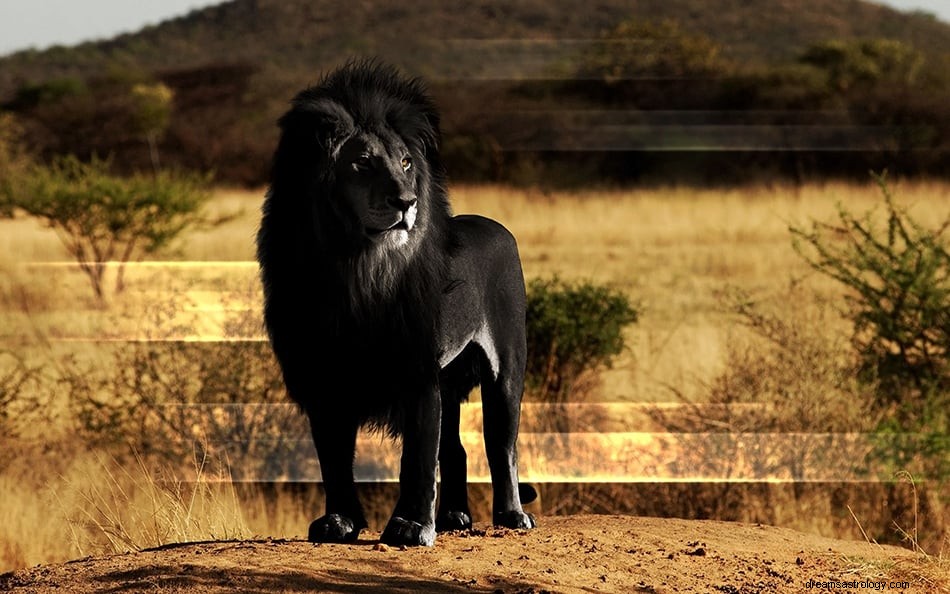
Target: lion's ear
[322,120]
[416,124]
[309,133]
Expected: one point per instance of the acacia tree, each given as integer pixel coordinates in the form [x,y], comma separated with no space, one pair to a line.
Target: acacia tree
[897,275]
[102,218]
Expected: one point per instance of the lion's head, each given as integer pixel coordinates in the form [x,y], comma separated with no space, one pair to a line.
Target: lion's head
[358,177]
[377,185]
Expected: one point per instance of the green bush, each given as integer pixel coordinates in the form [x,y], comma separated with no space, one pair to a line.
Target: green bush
[574,330]
[102,218]
[865,62]
[52,91]
[898,280]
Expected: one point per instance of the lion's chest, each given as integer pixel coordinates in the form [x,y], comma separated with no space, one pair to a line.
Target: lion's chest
[390,348]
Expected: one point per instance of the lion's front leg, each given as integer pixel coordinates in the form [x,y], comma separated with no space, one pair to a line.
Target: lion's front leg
[413,520]
[335,439]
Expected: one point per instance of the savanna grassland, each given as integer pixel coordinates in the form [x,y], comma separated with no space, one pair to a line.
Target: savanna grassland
[691,258]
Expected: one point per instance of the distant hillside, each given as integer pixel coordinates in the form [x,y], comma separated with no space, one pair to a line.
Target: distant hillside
[233,68]
[292,40]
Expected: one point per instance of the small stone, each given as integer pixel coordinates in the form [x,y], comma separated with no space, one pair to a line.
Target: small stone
[698,552]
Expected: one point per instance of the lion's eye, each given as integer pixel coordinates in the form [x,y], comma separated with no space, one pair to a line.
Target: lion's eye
[361,163]
[406,163]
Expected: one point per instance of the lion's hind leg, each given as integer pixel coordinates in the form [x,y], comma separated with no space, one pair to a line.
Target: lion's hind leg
[454,512]
[456,382]
[501,407]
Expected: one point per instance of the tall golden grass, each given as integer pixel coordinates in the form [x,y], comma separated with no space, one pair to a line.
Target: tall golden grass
[676,250]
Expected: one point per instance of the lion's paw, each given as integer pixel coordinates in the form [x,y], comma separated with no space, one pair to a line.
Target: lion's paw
[453,520]
[334,528]
[401,532]
[515,519]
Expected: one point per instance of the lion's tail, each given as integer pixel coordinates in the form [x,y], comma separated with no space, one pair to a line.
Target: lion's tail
[526,493]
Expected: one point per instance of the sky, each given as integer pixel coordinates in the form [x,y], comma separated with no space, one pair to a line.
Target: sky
[42,23]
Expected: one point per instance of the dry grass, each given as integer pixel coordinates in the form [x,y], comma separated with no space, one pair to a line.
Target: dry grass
[924,570]
[676,250]
[131,508]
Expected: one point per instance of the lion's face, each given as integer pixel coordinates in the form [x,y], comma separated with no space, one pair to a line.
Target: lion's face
[378,186]
[358,181]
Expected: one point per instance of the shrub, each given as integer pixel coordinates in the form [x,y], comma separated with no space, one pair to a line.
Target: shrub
[171,400]
[18,401]
[102,218]
[13,158]
[865,62]
[573,331]
[636,49]
[788,403]
[898,280]
[787,398]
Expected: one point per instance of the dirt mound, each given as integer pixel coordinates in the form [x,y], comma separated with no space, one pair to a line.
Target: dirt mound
[564,554]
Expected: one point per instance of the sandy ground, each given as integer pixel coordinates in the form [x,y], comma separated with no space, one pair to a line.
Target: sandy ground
[564,554]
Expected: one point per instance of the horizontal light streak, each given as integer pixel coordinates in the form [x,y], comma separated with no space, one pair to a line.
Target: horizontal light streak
[271,442]
[516,59]
[203,315]
[152,264]
[689,131]
[577,417]
[633,457]
[131,339]
[476,407]
[700,138]
[680,117]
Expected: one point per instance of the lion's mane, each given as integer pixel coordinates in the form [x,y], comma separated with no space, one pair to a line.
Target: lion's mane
[354,327]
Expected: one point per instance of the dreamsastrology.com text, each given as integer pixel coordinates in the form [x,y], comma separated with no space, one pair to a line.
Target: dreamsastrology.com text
[855,585]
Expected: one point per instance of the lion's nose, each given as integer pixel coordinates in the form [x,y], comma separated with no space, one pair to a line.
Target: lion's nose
[402,203]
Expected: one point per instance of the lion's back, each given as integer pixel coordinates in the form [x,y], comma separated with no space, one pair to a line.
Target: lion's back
[486,249]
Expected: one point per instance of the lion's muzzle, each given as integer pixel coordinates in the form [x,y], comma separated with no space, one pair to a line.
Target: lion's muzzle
[402,203]
[400,219]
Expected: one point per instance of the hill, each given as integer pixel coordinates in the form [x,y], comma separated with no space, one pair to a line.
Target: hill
[564,554]
[234,66]
[292,40]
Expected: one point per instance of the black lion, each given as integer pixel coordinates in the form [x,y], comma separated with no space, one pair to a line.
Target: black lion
[385,310]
